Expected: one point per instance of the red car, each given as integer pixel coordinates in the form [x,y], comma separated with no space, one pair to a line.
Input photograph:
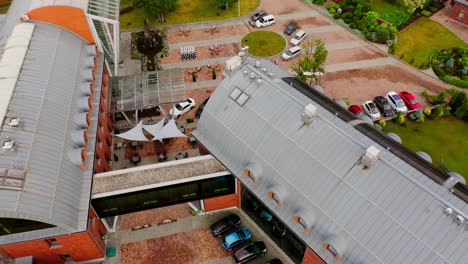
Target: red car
[355,109]
[410,100]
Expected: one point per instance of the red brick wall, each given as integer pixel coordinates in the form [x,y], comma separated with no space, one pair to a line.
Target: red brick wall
[217,203]
[96,230]
[103,155]
[80,247]
[311,258]
[457,7]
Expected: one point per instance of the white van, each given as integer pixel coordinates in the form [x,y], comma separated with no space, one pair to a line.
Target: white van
[291,53]
[265,21]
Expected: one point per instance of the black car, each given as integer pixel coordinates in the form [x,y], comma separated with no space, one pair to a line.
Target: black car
[292,26]
[258,15]
[224,225]
[201,107]
[250,252]
[384,106]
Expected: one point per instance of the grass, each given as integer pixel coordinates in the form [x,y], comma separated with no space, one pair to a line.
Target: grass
[390,11]
[187,11]
[264,43]
[440,138]
[423,39]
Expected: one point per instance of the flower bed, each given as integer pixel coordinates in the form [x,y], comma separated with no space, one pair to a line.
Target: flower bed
[451,66]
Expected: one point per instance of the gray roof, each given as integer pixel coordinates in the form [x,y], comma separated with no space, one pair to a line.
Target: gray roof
[56,190]
[16,10]
[389,212]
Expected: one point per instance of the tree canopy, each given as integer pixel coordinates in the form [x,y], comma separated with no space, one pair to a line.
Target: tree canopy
[412,5]
[312,60]
[156,8]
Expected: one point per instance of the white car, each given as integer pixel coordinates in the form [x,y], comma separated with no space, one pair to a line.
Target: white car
[291,53]
[298,37]
[371,110]
[396,102]
[182,108]
[265,21]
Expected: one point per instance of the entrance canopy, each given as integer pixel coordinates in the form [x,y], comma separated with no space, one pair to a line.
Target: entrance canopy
[150,89]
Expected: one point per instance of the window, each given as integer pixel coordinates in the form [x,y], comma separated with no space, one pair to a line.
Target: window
[66,257]
[53,243]
[461,14]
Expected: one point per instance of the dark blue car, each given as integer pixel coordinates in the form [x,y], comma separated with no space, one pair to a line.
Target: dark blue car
[236,238]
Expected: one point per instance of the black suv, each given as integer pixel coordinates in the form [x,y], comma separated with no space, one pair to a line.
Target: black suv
[384,106]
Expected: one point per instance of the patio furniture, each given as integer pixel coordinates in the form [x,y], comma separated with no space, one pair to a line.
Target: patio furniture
[185,155]
[135,159]
[162,157]
[134,144]
[179,156]
[192,139]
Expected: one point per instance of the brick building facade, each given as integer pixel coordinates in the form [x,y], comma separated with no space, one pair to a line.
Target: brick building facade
[459,11]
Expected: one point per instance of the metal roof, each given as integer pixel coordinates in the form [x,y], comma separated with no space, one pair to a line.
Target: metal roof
[147,90]
[82,4]
[56,191]
[389,212]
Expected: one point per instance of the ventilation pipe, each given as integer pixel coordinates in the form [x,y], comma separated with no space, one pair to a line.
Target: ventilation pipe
[370,157]
[309,113]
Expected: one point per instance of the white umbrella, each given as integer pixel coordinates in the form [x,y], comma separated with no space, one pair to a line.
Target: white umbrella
[154,128]
[134,134]
[170,130]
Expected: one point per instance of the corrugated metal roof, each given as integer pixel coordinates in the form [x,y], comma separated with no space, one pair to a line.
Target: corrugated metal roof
[388,213]
[56,191]
[83,4]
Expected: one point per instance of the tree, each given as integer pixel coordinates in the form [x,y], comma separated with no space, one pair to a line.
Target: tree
[224,3]
[156,8]
[412,5]
[312,60]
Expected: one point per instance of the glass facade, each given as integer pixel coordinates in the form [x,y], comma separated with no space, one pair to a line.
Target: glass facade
[10,226]
[273,226]
[163,196]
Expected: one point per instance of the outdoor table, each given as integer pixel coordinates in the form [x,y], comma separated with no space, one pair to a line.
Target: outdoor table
[182,129]
[161,157]
[135,158]
[192,139]
[119,145]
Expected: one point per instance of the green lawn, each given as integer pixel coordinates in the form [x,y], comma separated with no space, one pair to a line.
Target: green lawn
[422,39]
[264,43]
[445,138]
[187,11]
[390,11]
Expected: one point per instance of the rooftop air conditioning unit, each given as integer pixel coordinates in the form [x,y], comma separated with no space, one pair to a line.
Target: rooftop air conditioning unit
[371,156]
[257,63]
[14,122]
[8,145]
[309,113]
[459,219]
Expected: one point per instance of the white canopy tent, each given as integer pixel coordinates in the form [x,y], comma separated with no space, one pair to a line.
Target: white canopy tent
[158,130]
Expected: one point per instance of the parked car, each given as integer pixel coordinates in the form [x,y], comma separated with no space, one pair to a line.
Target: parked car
[355,109]
[292,26]
[410,100]
[236,238]
[384,106]
[291,53]
[224,225]
[182,108]
[396,102]
[250,252]
[258,15]
[298,38]
[371,110]
[201,107]
[265,21]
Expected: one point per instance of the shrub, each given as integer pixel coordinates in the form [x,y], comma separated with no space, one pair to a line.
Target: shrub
[427,111]
[336,16]
[455,81]
[383,35]
[332,11]
[426,13]
[434,99]
[446,111]
[421,119]
[190,120]
[437,112]
[378,127]
[320,2]
[333,6]
[433,9]
[352,25]
[416,115]
[383,123]
[347,101]
[400,119]
[348,20]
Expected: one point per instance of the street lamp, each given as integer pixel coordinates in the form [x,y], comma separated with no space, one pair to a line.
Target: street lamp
[316,74]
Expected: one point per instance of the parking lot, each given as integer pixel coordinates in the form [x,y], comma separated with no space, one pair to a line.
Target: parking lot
[192,242]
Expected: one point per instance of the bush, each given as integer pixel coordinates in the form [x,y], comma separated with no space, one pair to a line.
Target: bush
[421,119]
[336,16]
[433,9]
[378,127]
[455,81]
[383,35]
[416,115]
[434,99]
[437,112]
[382,123]
[427,111]
[400,119]
[446,111]
[426,13]
[332,11]
[319,2]
[412,60]
[352,25]
[348,20]
[333,6]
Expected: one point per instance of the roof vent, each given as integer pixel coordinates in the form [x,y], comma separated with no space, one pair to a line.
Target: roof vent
[309,113]
[371,156]
[264,69]
[257,63]
[14,122]
[8,145]
[448,210]
[252,75]
[259,80]
[459,219]
[245,71]
[270,74]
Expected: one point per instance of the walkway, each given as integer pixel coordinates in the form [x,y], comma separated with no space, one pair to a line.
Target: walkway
[442,16]
[359,64]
